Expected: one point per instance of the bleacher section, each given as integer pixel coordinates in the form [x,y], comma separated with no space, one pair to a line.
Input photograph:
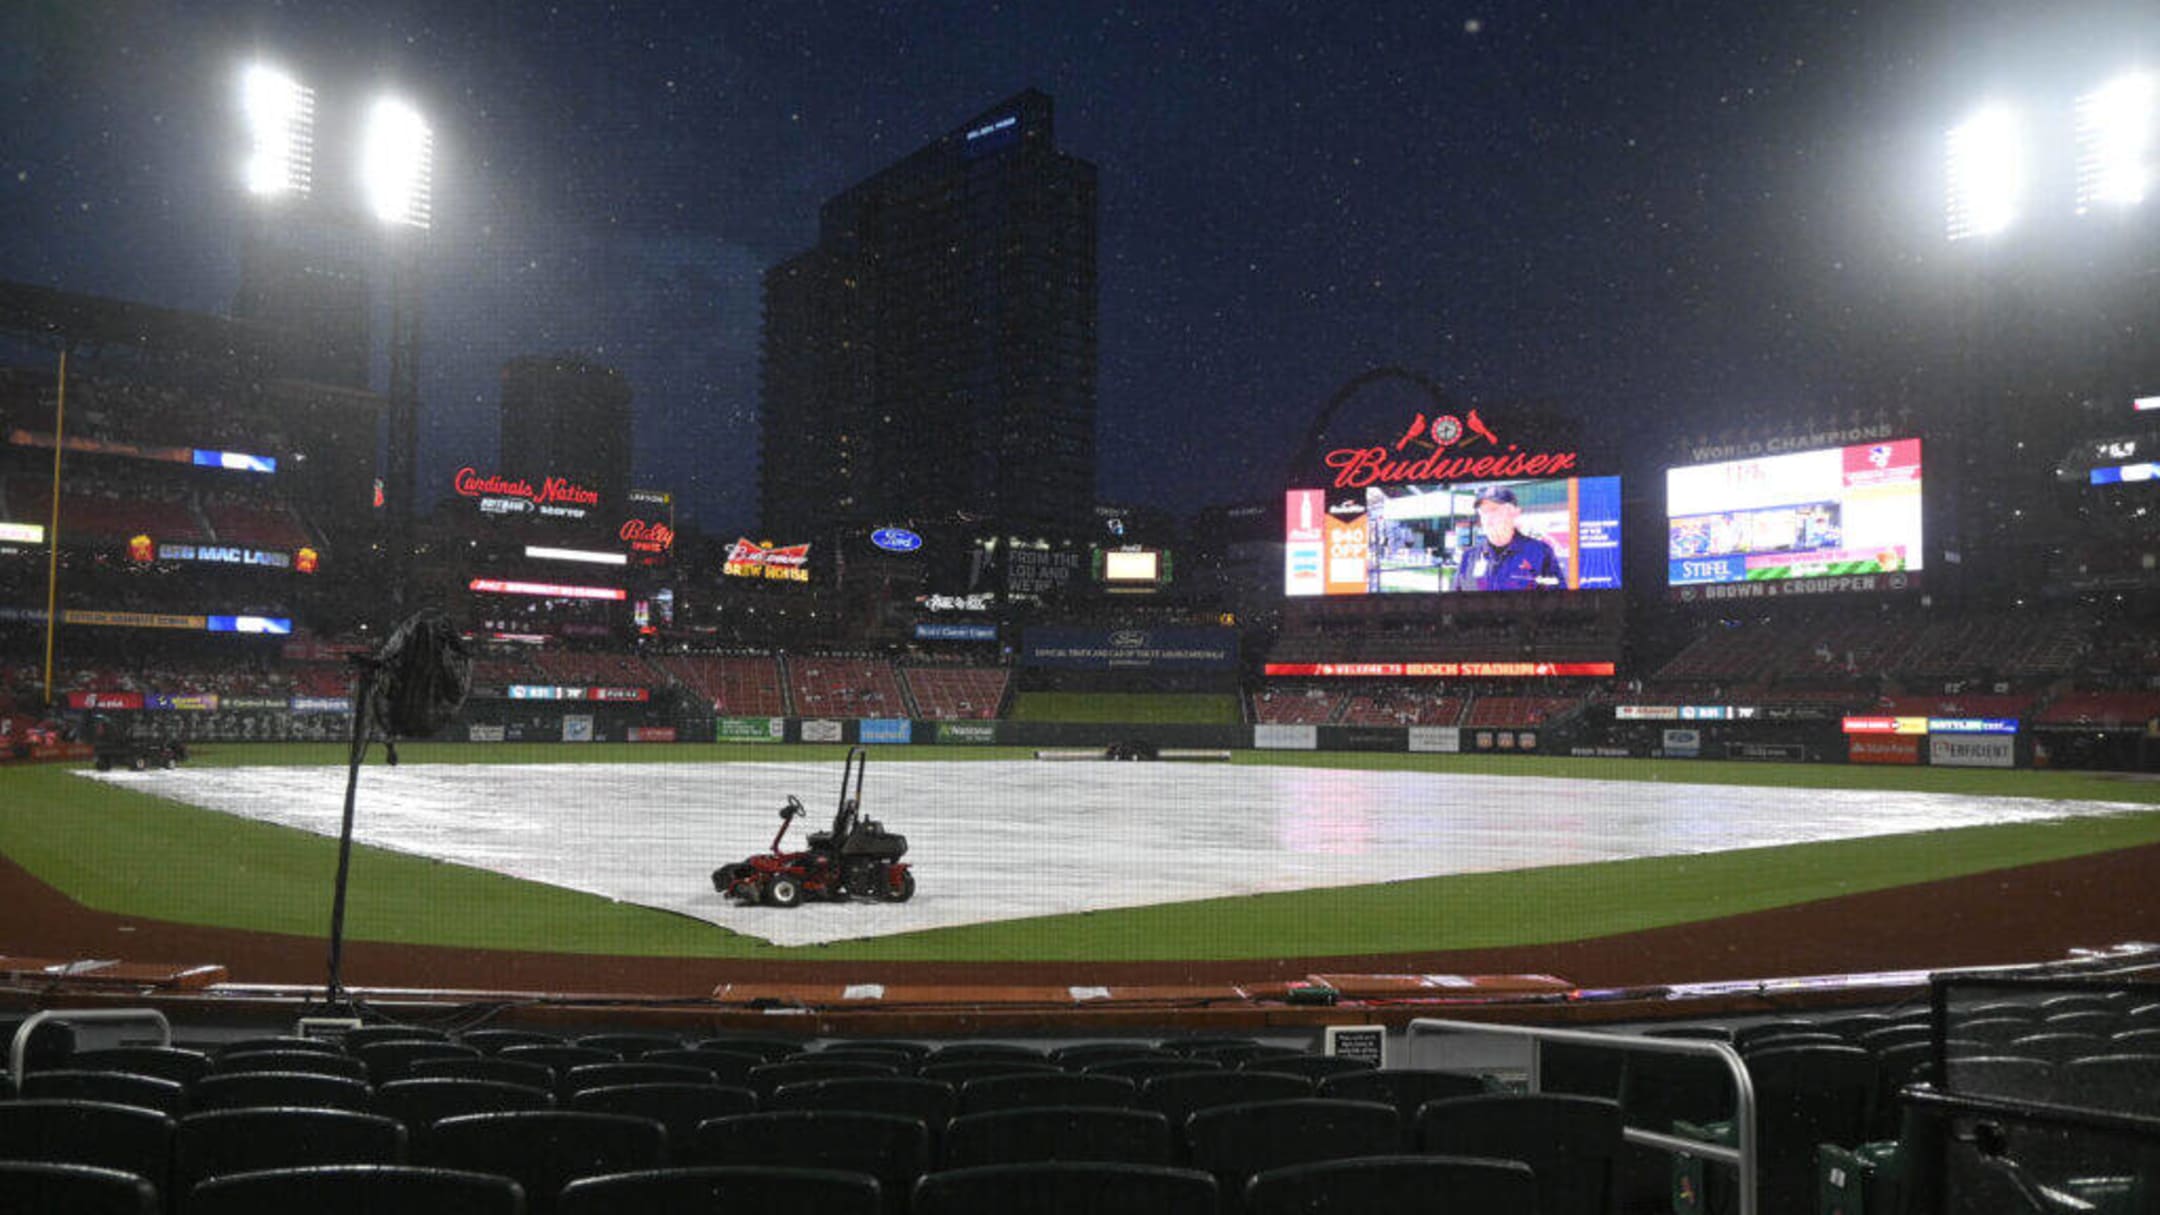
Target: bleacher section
[256,525]
[1402,707]
[957,693]
[1520,710]
[574,667]
[845,687]
[1294,706]
[737,686]
[2114,710]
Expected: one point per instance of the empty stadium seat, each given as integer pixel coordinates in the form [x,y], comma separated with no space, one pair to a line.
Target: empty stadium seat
[678,1107]
[421,1103]
[255,1090]
[1572,1144]
[770,1047]
[726,1066]
[893,1149]
[1234,1142]
[959,1052]
[495,1041]
[610,1075]
[365,1036]
[1394,1185]
[388,1061]
[1177,1096]
[245,1046]
[73,1189]
[313,1062]
[502,1071]
[128,1138]
[722,1188]
[1141,1070]
[960,1071]
[358,1189]
[545,1149]
[1313,1067]
[164,1062]
[1058,1132]
[930,1102]
[766,1077]
[223,1142]
[630,1045]
[114,1088]
[1406,1089]
[1067,1188]
[1064,1088]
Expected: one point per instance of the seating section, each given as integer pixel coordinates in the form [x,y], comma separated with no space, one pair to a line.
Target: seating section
[406,1118]
[576,667]
[1504,711]
[845,687]
[1295,706]
[737,686]
[253,523]
[1404,707]
[957,693]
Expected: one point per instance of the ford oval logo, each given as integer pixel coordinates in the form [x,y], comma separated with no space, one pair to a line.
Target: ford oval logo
[1128,639]
[896,539]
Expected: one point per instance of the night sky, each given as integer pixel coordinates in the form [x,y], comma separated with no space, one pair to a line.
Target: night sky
[1653,215]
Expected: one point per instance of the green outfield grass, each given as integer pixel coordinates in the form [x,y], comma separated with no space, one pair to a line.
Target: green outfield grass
[1138,708]
[121,851]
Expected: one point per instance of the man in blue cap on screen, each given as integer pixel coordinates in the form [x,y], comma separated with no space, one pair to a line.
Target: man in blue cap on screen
[1502,558]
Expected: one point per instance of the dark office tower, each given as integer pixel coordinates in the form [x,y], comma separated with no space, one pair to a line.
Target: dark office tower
[565,417]
[935,353]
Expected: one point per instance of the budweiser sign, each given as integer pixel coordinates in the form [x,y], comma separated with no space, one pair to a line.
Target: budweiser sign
[1441,450]
[747,559]
[551,492]
[644,537]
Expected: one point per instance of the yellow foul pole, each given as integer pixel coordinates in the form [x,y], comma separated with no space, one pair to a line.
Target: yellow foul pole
[52,534]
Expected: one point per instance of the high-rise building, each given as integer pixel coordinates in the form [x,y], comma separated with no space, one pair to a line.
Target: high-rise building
[563,416]
[934,355]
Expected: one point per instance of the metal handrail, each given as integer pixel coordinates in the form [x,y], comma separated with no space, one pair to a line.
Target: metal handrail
[1743,1158]
[19,1050]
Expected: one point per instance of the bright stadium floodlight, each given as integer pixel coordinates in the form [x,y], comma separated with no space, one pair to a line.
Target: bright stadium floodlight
[1987,173]
[396,155]
[2116,125]
[280,116]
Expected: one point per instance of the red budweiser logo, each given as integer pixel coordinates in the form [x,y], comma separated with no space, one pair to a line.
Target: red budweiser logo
[647,537]
[1446,436]
[471,484]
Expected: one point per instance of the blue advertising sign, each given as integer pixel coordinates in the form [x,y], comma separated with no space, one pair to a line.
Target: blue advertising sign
[1972,725]
[896,539]
[1172,649]
[928,631]
[885,730]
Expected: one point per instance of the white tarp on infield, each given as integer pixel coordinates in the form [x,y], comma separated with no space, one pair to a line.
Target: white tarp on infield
[1001,840]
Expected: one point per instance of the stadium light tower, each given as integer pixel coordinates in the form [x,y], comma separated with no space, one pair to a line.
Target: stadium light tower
[1987,173]
[2117,128]
[396,161]
[280,117]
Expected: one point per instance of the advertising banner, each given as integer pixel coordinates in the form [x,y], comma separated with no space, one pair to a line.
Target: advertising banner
[973,733]
[929,631]
[104,700]
[1683,744]
[652,734]
[1172,649]
[484,734]
[321,704]
[1438,670]
[200,703]
[1286,738]
[1882,748]
[1436,739]
[821,729]
[750,729]
[885,730]
[254,702]
[1780,751]
[577,727]
[1972,751]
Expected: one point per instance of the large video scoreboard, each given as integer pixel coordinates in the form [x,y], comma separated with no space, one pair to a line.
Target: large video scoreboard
[1836,518]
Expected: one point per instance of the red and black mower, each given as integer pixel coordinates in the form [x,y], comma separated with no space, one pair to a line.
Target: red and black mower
[857,857]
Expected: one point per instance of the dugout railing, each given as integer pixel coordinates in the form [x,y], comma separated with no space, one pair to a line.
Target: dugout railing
[1741,1156]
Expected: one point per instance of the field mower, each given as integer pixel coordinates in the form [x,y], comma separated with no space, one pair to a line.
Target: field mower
[856,857]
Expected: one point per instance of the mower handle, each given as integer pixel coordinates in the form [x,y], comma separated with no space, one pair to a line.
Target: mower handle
[788,814]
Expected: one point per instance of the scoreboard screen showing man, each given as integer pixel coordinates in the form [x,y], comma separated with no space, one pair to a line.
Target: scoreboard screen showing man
[1839,512]
[1556,534]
